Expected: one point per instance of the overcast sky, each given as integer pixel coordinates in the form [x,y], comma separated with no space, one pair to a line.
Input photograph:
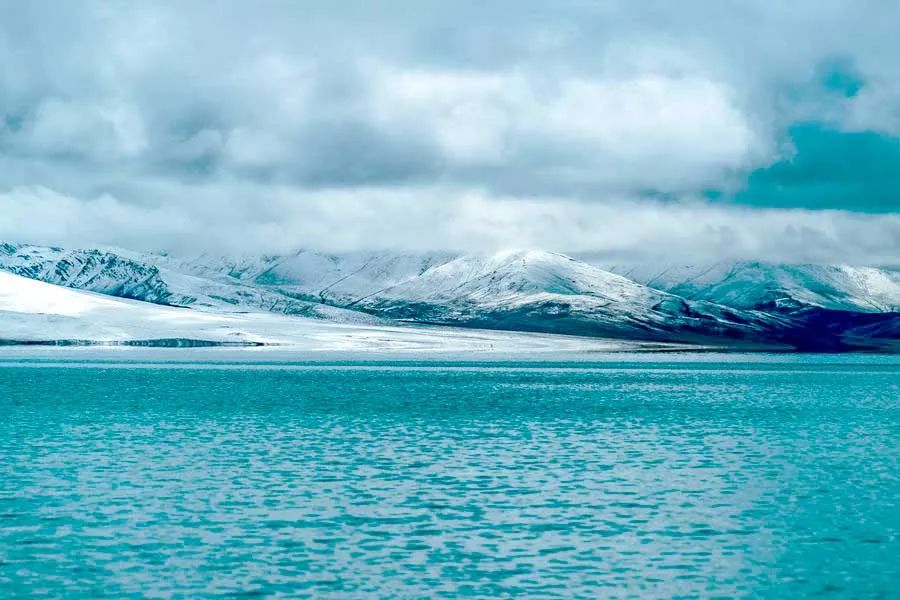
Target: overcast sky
[631,129]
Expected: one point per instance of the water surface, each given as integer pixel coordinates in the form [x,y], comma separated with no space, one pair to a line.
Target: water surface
[654,476]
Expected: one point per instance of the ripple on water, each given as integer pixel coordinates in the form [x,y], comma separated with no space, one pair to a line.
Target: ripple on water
[445,482]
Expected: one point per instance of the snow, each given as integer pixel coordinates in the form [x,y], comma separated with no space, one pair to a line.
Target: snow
[520,290]
[314,284]
[339,279]
[34,311]
[148,277]
[753,284]
[515,276]
[547,291]
[525,289]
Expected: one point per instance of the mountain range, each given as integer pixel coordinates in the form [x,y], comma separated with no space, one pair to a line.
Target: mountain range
[747,305]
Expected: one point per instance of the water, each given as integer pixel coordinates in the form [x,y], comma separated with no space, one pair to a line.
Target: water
[645,476]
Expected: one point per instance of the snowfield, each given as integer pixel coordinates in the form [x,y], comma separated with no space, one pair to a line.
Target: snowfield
[249,299]
[753,285]
[37,312]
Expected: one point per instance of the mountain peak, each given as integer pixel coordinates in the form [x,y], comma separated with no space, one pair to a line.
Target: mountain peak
[512,289]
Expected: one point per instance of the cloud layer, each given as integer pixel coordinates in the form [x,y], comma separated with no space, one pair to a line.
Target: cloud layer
[752,128]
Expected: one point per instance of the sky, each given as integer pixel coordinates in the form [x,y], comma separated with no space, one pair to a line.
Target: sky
[647,130]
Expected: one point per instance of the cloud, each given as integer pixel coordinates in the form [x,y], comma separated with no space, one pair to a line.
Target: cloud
[549,134]
[98,133]
[467,220]
[204,114]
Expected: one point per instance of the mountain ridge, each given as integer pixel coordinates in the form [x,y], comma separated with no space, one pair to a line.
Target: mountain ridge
[754,284]
[824,307]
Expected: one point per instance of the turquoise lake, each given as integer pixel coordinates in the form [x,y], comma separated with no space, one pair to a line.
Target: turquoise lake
[610,476]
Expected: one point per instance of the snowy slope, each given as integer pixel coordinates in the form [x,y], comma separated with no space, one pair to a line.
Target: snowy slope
[94,270]
[804,306]
[127,274]
[336,279]
[33,311]
[302,282]
[545,291]
[522,290]
[774,286]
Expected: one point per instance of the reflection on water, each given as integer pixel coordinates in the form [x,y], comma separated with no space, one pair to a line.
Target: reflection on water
[644,479]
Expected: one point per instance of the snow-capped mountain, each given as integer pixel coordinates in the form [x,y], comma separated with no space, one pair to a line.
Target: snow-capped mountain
[328,278]
[754,285]
[807,306]
[94,270]
[546,291]
[513,290]
[35,312]
[137,276]
[826,306]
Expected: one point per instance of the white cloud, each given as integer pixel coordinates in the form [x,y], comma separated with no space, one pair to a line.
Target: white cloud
[449,219]
[470,116]
[278,125]
[691,124]
[648,131]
